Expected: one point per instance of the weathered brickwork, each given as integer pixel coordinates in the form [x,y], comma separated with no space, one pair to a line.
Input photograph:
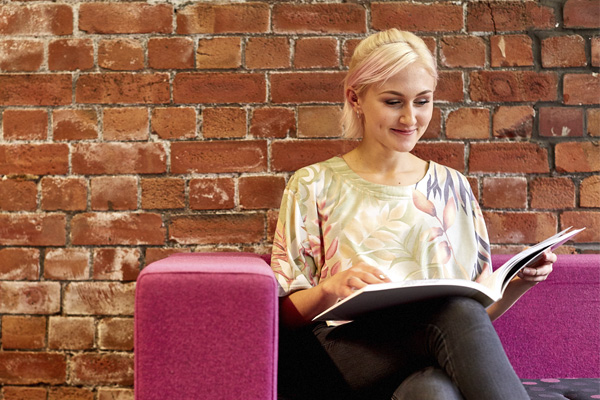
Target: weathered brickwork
[133,130]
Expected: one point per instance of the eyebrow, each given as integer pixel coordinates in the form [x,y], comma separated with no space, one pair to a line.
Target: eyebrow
[402,95]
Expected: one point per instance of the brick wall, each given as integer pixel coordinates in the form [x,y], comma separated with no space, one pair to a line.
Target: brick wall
[134,130]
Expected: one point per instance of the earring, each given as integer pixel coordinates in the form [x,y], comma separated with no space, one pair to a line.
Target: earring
[357,114]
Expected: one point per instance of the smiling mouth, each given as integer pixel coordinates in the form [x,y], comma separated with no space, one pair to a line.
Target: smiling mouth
[404,131]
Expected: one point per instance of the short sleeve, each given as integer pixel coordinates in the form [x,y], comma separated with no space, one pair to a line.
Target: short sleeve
[296,243]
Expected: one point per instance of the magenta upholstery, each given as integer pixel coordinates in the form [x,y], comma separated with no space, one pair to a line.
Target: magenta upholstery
[206,328]
[553,331]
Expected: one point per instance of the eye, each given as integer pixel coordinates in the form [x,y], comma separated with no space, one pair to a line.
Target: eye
[393,102]
[422,102]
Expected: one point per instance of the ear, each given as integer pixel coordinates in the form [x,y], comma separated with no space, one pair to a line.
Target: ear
[352,98]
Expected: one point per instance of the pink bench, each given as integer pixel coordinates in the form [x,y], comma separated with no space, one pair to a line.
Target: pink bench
[206,328]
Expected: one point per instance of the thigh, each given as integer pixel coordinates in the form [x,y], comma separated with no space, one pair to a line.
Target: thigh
[375,354]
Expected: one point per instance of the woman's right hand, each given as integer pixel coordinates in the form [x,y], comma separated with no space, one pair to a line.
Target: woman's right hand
[344,283]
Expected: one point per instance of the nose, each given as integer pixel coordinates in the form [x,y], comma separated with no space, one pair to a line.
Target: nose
[407,115]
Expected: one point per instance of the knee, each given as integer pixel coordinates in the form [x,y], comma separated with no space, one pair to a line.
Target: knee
[464,309]
[430,384]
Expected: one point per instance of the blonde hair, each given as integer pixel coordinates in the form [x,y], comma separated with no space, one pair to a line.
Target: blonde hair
[376,59]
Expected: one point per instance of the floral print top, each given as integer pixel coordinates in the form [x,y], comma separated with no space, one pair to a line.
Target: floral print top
[331,219]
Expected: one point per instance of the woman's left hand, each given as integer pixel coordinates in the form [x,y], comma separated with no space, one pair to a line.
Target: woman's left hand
[539,271]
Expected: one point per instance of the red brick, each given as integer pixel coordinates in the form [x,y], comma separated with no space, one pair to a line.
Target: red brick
[498,16]
[122,264]
[450,86]
[319,18]
[523,158]
[121,54]
[24,368]
[462,51]
[219,53]
[436,17]
[273,122]
[217,228]
[307,87]
[137,17]
[291,155]
[35,90]
[579,219]
[319,52]
[593,121]
[511,51]
[67,264]
[515,121]
[80,124]
[71,333]
[24,393]
[29,298]
[19,264]
[171,53]
[115,334]
[561,121]
[468,123]
[163,193]
[519,227]
[33,229]
[328,118]
[268,53]
[257,192]
[192,87]
[212,194]
[115,394]
[434,129]
[118,158]
[223,18]
[102,369]
[36,19]
[589,192]
[117,229]
[174,123]
[21,55]
[512,86]
[36,159]
[224,122]
[70,393]
[563,51]
[99,298]
[71,55]
[69,194]
[158,253]
[20,124]
[348,50]
[18,195]
[122,88]
[449,154]
[596,51]
[581,14]
[577,157]
[126,123]
[114,193]
[23,332]
[552,193]
[218,157]
[509,192]
[272,218]
[581,89]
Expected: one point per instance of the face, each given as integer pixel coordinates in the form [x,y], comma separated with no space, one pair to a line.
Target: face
[395,114]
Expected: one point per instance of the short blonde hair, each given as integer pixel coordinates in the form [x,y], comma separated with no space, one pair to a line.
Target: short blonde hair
[376,59]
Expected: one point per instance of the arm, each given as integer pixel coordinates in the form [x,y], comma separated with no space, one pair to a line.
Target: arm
[300,307]
[525,280]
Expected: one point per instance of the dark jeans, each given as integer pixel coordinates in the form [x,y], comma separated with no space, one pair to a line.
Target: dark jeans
[443,349]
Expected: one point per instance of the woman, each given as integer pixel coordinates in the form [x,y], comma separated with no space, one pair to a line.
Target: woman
[377,214]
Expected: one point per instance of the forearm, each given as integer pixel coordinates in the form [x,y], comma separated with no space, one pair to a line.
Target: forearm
[515,289]
[299,308]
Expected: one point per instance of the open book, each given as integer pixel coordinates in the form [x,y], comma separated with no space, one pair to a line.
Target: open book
[490,290]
